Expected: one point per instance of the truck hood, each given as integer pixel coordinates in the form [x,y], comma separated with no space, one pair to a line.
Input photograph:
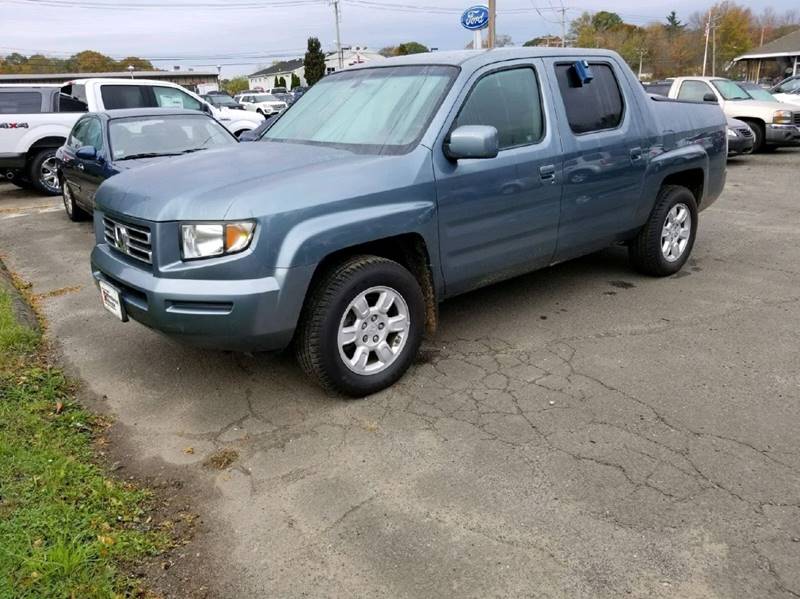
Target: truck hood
[205,185]
[739,108]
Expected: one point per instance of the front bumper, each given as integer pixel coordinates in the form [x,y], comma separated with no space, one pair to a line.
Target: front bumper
[783,135]
[740,145]
[240,315]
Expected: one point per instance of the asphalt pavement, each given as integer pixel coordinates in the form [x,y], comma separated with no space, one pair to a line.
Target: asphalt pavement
[583,431]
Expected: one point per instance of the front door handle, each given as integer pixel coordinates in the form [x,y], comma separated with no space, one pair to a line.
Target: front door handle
[548,173]
[80,166]
[636,154]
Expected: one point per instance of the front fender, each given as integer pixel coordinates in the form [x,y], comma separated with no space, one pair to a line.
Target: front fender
[311,240]
[38,132]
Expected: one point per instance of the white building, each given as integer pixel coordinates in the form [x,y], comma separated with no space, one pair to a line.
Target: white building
[351,56]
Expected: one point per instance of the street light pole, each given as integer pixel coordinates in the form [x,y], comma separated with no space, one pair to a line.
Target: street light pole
[338,36]
[492,23]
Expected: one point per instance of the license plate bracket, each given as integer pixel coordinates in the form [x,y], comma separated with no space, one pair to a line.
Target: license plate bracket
[112,300]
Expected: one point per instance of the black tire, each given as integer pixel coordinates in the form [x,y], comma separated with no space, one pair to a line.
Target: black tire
[316,342]
[36,173]
[74,212]
[645,250]
[759,136]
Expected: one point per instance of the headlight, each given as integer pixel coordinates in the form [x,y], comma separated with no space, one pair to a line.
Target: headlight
[205,240]
[782,117]
[732,133]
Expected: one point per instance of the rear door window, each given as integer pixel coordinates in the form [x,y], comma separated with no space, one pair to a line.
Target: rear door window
[126,96]
[694,90]
[69,104]
[170,97]
[509,101]
[592,106]
[20,102]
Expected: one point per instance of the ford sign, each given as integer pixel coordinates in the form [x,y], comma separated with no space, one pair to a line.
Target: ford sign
[475,17]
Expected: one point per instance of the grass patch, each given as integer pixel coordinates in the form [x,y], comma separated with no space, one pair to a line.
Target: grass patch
[66,529]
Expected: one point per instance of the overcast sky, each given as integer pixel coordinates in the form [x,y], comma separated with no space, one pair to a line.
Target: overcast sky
[245,38]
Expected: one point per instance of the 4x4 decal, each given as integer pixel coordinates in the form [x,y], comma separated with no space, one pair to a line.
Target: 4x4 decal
[13,125]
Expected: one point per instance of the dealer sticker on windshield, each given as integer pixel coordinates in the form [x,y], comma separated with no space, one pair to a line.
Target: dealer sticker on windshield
[111,300]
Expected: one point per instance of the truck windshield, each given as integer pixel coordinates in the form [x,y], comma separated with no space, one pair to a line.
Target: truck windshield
[729,90]
[141,137]
[377,110]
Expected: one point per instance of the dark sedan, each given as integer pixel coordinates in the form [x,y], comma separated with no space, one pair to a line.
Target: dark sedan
[104,144]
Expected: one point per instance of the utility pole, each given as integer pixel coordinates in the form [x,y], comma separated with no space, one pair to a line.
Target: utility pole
[714,50]
[758,68]
[338,36]
[563,26]
[642,52]
[492,23]
[705,52]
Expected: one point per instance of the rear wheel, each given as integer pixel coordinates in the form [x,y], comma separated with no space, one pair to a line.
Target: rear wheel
[43,173]
[362,326]
[664,243]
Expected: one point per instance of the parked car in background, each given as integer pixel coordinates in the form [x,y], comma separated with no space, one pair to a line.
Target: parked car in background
[773,125]
[388,189]
[104,144]
[220,100]
[276,90]
[297,92]
[34,121]
[755,91]
[263,104]
[740,137]
[285,97]
[788,90]
[258,132]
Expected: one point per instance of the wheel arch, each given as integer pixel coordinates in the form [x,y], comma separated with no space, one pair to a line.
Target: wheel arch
[408,249]
[49,142]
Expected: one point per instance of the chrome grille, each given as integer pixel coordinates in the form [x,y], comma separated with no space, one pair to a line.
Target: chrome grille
[132,240]
[746,132]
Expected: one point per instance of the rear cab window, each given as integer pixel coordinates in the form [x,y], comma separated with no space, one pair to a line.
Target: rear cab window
[594,106]
[20,102]
[127,96]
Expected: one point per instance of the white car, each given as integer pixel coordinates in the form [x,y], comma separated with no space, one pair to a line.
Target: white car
[36,119]
[788,90]
[264,104]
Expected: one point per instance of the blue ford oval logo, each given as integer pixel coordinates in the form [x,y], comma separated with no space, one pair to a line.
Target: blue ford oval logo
[475,17]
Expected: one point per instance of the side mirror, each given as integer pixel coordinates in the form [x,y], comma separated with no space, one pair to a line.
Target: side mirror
[710,97]
[86,153]
[472,141]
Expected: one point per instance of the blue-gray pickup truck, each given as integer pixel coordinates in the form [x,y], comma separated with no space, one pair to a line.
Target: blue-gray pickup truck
[386,189]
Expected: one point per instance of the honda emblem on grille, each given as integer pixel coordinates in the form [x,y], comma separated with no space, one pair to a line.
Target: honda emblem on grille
[121,238]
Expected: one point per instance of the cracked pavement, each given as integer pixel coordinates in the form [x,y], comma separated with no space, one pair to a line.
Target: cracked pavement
[582,431]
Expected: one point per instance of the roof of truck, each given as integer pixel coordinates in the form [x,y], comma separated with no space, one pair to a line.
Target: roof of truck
[481,57]
[30,85]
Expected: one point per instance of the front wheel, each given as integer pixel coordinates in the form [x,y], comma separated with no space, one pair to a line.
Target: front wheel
[362,326]
[74,212]
[665,241]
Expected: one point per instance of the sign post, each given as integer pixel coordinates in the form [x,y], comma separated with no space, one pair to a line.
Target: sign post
[476,19]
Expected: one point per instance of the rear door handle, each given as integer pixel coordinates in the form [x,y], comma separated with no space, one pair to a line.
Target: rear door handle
[80,166]
[636,154]
[548,173]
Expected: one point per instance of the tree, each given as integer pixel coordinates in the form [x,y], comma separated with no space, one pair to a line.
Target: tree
[280,82]
[314,62]
[295,80]
[139,64]
[502,40]
[411,48]
[236,85]
[90,61]
[605,21]
[674,24]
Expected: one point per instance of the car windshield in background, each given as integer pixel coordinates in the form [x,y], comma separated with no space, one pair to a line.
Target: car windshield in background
[266,98]
[759,93]
[730,90]
[140,137]
[223,101]
[382,109]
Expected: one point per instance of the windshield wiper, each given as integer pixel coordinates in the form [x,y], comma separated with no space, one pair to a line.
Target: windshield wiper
[190,150]
[146,155]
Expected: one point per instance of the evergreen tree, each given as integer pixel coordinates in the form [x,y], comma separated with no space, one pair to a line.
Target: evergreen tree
[314,61]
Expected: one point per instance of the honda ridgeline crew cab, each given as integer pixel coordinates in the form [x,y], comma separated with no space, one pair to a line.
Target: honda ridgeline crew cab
[386,189]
